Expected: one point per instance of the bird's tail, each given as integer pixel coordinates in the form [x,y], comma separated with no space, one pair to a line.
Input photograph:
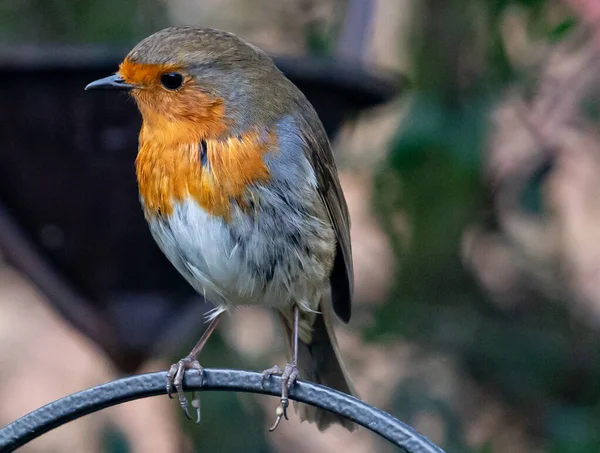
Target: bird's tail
[319,361]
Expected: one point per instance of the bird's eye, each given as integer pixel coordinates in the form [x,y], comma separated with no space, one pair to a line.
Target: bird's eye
[171,80]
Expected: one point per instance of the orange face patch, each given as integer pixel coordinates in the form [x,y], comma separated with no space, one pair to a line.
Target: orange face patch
[172,174]
[144,75]
[169,163]
[186,115]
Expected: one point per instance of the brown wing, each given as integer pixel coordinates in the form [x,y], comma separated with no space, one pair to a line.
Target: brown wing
[330,190]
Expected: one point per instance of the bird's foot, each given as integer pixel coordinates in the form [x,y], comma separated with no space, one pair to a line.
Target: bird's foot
[175,380]
[289,375]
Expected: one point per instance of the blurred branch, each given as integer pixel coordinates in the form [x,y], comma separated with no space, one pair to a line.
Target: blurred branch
[553,106]
[354,36]
[21,254]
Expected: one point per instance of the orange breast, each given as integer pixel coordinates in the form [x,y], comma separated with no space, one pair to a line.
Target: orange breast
[172,173]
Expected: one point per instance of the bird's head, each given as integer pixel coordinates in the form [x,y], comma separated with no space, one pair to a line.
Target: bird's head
[198,83]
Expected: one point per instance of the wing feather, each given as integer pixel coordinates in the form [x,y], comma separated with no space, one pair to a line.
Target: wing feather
[330,191]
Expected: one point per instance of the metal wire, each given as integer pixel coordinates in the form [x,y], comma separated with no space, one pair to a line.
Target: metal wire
[82,403]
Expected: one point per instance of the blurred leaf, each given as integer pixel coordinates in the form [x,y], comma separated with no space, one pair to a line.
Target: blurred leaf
[412,399]
[562,29]
[114,441]
[435,156]
[320,39]
[575,429]
[531,199]
[76,21]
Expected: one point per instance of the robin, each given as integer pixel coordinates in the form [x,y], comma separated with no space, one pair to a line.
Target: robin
[239,186]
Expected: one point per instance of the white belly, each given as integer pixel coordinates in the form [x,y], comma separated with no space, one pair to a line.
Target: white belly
[247,261]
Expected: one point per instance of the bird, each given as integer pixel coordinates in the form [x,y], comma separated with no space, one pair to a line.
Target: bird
[239,186]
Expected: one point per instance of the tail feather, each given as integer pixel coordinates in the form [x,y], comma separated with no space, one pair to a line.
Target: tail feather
[319,361]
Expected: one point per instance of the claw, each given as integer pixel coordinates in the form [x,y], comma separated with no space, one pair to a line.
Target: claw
[279,412]
[176,372]
[284,405]
[186,411]
[196,405]
[175,380]
[289,376]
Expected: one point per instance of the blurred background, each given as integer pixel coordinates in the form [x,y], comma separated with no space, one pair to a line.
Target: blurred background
[467,134]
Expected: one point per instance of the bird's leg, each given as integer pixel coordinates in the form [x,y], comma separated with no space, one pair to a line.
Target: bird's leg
[288,375]
[190,362]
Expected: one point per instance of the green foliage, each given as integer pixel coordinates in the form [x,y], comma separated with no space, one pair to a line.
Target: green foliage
[320,38]
[79,21]
[114,441]
[436,159]
[539,360]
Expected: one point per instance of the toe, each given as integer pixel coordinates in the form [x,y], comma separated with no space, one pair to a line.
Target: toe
[273,371]
[292,378]
[178,379]
[170,378]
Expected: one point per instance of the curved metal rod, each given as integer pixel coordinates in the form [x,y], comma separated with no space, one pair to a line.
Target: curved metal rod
[82,403]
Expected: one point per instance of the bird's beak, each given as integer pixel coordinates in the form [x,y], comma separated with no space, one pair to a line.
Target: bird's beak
[113,82]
